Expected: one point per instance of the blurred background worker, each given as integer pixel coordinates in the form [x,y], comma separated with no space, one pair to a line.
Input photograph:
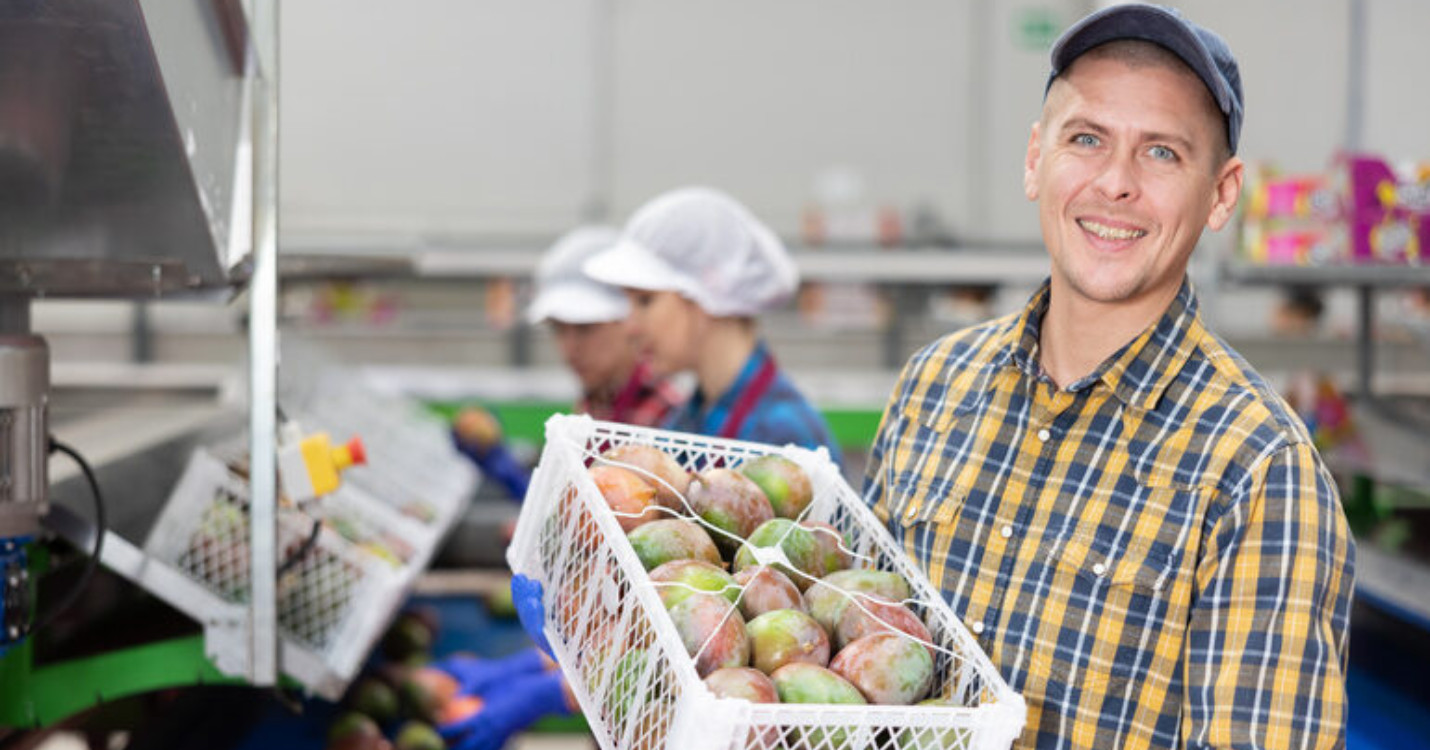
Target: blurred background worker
[587,319]
[698,267]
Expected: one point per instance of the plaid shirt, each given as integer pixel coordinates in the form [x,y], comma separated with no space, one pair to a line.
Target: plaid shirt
[644,401]
[1154,556]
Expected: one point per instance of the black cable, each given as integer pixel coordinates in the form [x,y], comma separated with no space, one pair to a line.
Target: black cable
[302,551]
[56,446]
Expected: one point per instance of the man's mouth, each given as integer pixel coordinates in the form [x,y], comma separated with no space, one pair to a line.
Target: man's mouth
[1103,231]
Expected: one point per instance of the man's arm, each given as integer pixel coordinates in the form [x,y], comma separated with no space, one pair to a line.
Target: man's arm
[1266,647]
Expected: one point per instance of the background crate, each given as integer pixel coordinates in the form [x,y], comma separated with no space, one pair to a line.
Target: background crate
[332,605]
[623,658]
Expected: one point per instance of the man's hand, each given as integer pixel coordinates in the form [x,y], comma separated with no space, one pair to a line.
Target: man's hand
[516,706]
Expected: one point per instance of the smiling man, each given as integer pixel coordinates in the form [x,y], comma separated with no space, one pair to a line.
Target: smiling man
[1134,526]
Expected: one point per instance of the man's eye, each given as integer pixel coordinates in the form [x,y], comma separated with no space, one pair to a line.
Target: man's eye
[1085,139]
[1162,153]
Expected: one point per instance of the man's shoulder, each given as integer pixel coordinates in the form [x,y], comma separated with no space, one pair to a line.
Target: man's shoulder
[1240,417]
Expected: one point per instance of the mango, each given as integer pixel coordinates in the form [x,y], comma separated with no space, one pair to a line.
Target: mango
[873,614]
[766,589]
[713,632]
[659,542]
[784,636]
[825,600]
[678,579]
[783,481]
[799,547]
[631,498]
[742,682]
[730,502]
[670,480]
[835,546]
[888,668]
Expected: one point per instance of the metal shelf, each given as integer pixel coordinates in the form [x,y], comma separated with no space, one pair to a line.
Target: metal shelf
[1362,276]
[1010,264]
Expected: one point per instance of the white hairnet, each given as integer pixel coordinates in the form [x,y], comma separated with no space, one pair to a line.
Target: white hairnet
[565,293]
[705,245]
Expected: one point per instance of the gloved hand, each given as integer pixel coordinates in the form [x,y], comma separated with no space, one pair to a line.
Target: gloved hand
[515,707]
[477,676]
[496,462]
[530,609]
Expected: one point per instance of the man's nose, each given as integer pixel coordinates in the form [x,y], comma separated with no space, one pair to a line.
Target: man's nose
[1118,179]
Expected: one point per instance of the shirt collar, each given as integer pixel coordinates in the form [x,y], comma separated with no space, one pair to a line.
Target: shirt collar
[1138,373]
[719,409]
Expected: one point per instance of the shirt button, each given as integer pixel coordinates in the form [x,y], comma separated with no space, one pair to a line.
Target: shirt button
[1099,569]
[977,628]
[1006,531]
[1045,435]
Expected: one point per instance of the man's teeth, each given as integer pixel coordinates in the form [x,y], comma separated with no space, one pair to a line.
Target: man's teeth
[1111,233]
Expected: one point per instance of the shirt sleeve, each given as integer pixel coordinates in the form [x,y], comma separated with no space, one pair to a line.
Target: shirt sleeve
[1266,649]
[874,487]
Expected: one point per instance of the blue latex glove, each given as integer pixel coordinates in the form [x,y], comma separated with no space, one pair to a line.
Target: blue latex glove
[526,597]
[477,676]
[497,462]
[515,707]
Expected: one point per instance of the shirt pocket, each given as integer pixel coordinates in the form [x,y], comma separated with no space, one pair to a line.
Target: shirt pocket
[1116,611]
[924,521]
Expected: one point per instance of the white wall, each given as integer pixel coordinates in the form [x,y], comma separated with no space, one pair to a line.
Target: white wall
[483,121]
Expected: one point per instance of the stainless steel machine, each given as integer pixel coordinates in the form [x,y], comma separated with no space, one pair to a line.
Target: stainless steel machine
[137,160]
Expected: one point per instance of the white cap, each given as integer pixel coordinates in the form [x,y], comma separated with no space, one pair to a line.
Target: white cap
[705,245]
[564,293]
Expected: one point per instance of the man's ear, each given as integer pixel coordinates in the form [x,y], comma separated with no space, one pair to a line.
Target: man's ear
[1228,190]
[1030,163]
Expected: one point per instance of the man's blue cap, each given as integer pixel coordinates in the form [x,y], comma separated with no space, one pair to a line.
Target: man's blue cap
[1206,53]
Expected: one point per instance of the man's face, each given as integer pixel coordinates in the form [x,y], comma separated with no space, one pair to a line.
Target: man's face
[600,354]
[668,329]
[1127,168]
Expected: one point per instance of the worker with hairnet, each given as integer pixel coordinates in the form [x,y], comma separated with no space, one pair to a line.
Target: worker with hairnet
[587,319]
[697,267]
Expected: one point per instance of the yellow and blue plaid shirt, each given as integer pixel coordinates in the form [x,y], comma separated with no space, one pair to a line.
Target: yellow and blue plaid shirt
[1154,556]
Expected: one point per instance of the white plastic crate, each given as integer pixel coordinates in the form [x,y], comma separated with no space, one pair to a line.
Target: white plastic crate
[626,663]
[332,605]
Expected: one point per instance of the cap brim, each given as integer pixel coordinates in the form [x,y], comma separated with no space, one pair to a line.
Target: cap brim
[631,265]
[577,303]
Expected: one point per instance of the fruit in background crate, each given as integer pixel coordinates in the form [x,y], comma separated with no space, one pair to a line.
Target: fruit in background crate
[659,542]
[418,735]
[409,634]
[785,636]
[629,496]
[499,602]
[783,481]
[425,691]
[833,545]
[730,502]
[876,614]
[799,547]
[742,682]
[888,668]
[766,590]
[373,697]
[675,579]
[671,481]
[713,632]
[826,600]
[353,730]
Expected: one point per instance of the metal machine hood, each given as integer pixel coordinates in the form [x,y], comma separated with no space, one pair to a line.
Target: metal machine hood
[124,166]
